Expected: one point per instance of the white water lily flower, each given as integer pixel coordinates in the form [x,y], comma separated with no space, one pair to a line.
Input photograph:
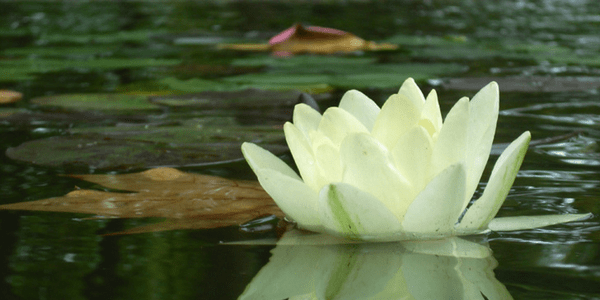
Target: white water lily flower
[398,172]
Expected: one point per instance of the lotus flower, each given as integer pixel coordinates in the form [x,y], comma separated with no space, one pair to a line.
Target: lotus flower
[395,173]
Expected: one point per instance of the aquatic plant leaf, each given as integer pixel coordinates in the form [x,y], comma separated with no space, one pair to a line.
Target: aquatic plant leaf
[7,96]
[312,39]
[526,84]
[243,99]
[54,64]
[343,74]
[188,201]
[128,148]
[112,102]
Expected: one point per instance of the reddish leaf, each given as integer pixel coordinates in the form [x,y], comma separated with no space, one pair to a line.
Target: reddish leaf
[312,39]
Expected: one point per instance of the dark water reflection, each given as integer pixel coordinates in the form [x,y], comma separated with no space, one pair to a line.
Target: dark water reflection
[65,256]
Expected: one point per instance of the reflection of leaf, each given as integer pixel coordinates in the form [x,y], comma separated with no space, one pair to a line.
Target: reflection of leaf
[312,39]
[186,200]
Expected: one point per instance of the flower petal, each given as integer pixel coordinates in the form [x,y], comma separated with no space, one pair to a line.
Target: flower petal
[412,156]
[398,115]
[431,112]
[529,222]
[347,211]
[451,144]
[306,118]
[336,123]
[259,158]
[411,90]
[328,160]
[361,107]
[503,175]
[483,117]
[296,199]
[367,166]
[303,156]
[435,209]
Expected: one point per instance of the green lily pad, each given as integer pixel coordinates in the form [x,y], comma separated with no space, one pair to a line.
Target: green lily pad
[61,51]
[142,147]
[104,102]
[103,38]
[248,98]
[25,69]
[527,84]
[380,76]
[420,41]
[306,62]
[194,85]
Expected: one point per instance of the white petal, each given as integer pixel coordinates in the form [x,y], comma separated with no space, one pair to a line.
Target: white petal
[412,156]
[361,107]
[367,166]
[431,113]
[503,175]
[347,211]
[437,208]
[483,117]
[259,158]
[328,160]
[306,118]
[336,123]
[451,144]
[398,115]
[529,222]
[296,199]
[411,90]
[303,156]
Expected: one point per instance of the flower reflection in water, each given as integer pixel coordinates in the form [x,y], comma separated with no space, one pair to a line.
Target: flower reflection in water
[313,266]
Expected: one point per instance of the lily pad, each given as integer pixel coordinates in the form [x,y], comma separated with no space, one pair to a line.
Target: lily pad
[141,147]
[24,69]
[105,102]
[248,98]
[528,84]
[346,76]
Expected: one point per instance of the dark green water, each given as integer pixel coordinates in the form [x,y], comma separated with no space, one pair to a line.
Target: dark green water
[544,54]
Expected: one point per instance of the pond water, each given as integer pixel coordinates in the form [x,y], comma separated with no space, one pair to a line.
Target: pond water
[544,55]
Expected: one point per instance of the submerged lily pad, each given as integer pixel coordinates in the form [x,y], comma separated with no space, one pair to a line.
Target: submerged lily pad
[141,147]
[112,102]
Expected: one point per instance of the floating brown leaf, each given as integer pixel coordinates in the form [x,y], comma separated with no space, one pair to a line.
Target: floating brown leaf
[7,96]
[188,201]
[312,39]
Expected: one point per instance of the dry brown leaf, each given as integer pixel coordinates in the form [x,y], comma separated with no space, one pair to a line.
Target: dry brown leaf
[188,201]
[313,39]
[7,96]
